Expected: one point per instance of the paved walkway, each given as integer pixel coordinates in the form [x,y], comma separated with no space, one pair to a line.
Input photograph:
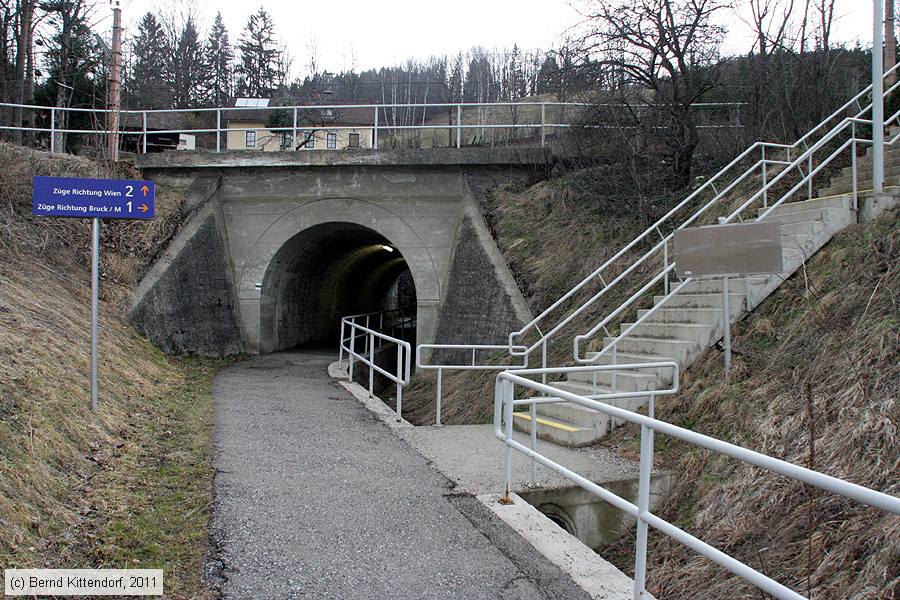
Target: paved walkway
[317,499]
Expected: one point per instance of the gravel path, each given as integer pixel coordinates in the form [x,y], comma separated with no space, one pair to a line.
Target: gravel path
[314,498]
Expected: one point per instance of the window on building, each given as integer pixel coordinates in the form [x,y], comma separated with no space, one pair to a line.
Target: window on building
[332,139]
[250,139]
[353,140]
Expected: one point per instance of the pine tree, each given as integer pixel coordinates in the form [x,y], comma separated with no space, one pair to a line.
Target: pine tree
[258,68]
[148,85]
[187,66]
[219,61]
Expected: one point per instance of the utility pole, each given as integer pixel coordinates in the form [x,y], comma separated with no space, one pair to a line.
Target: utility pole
[877,98]
[890,42]
[115,85]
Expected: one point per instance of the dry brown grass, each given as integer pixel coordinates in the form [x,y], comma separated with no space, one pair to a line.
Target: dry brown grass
[838,335]
[76,488]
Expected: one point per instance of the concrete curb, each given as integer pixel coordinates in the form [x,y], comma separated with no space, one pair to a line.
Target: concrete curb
[374,404]
[588,570]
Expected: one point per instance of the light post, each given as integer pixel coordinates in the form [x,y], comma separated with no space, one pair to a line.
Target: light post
[877,99]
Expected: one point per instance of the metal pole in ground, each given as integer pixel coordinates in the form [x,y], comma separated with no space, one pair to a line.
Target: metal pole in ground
[95,307]
[877,99]
[437,410]
[640,553]
[726,319]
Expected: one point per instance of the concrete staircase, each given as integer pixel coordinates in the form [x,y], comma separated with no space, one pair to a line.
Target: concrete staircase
[689,323]
[843,183]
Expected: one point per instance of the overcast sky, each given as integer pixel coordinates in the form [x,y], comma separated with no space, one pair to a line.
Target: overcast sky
[363,34]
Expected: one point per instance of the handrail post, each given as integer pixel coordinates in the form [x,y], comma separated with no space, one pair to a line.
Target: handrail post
[399,381]
[543,121]
[459,125]
[294,131]
[853,167]
[375,132]
[341,347]
[643,504]
[371,338]
[809,184]
[352,349]
[437,410]
[218,130]
[666,266]
[506,396]
[615,349]
[532,410]
[544,361]
[52,131]
[144,130]
[765,191]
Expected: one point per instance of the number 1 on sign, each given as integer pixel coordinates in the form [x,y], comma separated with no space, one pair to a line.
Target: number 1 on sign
[128,204]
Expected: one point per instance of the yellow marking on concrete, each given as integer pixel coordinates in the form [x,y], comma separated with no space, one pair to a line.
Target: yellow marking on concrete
[547,422]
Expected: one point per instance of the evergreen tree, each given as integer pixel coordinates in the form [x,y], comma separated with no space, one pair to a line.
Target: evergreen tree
[548,76]
[258,68]
[219,64]
[187,71]
[148,86]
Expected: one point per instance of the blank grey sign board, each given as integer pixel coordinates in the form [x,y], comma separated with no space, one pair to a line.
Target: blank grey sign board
[733,250]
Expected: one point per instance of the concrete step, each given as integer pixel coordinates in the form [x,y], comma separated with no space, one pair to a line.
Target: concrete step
[626,381]
[556,431]
[802,228]
[700,333]
[736,301]
[714,286]
[602,423]
[710,316]
[816,203]
[682,351]
[825,215]
[844,183]
[664,374]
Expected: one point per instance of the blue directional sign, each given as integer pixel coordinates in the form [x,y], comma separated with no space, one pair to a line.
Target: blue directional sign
[100,198]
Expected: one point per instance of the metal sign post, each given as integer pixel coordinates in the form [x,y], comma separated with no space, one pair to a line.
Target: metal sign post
[728,251]
[96,199]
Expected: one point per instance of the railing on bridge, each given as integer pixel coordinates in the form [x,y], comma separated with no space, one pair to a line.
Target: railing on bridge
[512,122]
[505,402]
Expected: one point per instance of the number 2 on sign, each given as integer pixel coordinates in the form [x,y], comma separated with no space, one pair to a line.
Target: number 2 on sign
[129,191]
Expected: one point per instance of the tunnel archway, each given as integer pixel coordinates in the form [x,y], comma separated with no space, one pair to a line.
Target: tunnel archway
[323,273]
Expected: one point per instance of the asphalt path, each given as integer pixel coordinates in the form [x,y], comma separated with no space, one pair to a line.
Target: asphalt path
[315,498]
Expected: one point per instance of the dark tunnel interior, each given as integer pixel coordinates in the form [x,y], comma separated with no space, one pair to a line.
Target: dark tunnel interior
[324,273]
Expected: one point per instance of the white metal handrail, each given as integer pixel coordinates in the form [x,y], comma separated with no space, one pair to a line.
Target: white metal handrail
[351,331]
[474,365]
[381,120]
[660,250]
[720,185]
[505,401]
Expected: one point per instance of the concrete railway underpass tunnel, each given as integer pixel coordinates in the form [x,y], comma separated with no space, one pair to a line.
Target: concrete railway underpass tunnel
[329,271]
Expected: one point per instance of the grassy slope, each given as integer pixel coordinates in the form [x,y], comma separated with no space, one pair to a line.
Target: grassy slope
[830,334]
[130,485]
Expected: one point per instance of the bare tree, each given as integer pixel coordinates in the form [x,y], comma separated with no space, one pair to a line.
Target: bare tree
[667,52]
[771,21]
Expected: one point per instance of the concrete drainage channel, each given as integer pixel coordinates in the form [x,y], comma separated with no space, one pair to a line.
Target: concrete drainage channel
[595,522]
[566,524]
